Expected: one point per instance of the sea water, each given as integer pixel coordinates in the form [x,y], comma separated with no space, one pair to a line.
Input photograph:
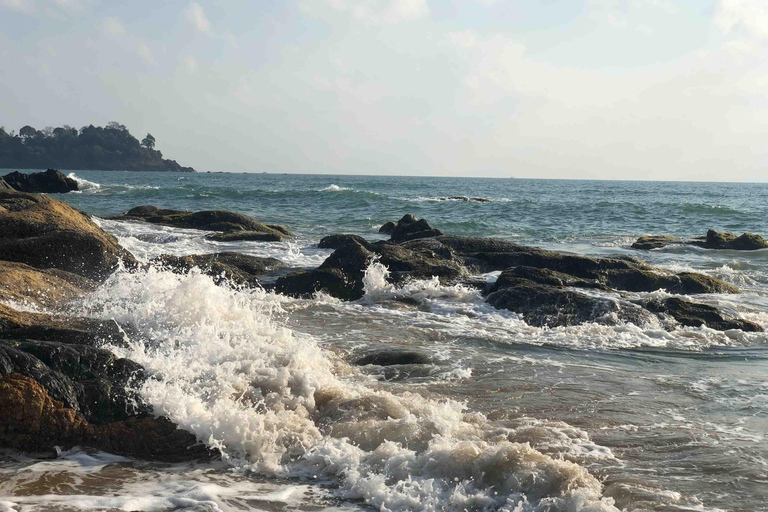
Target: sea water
[506,417]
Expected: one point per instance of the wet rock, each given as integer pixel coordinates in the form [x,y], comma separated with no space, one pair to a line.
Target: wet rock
[542,276]
[336,241]
[31,420]
[652,279]
[216,220]
[388,227]
[745,242]
[46,233]
[333,281]
[692,314]
[410,228]
[649,242]
[47,288]
[465,198]
[232,267]
[552,306]
[246,236]
[21,325]
[48,182]
[392,356]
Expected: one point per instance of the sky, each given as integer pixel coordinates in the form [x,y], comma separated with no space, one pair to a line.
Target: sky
[588,89]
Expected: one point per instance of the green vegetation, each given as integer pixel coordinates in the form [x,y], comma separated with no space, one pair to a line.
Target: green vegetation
[111,148]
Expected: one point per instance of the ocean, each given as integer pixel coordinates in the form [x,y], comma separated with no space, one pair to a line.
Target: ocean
[507,417]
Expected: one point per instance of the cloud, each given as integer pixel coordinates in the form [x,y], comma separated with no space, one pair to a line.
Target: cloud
[33,6]
[196,16]
[190,64]
[112,27]
[370,11]
[145,53]
[749,15]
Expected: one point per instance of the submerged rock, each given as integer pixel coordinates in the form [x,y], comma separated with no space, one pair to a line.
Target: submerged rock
[216,220]
[48,182]
[246,236]
[46,233]
[391,357]
[232,267]
[713,240]
[649,242]
[692,314]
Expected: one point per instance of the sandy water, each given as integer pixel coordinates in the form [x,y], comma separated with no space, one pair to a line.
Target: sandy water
[507,416]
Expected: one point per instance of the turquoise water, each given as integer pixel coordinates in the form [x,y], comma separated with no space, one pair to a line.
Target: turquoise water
[662,421]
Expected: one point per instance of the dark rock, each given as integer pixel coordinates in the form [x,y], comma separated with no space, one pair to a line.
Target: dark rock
[216,220]
[246,236]
[334,281]
[390,357]
[692,314]
[651,279]
[233,267]
[48,182]
[648,242]
[46,233]
[336,241]
[4,185]
[544,305]
[387,227]
[409,228]
[542,276]
[745,242]
[31,420]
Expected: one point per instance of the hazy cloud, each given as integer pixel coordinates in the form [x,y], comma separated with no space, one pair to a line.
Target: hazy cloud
[146,53]
[371,11]
[112,27]
[750,15]
[196,16]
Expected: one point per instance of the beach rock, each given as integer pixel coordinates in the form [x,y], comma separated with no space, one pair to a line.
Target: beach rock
[333,281]
[542,276]
[649,242]
[30,420]
[691,314]
[52,288]
[48,182]
[391,357]
[543,305]
[410,228]
[216,220]
[387,227]
[336,241]
[745,242]
[21,325]
[652,279]
[46,233]
[246,236]
[233,267]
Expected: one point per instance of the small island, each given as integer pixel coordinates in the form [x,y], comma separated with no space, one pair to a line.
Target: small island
[93,148]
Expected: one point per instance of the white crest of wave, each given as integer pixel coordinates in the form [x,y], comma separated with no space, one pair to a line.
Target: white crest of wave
[333,188]
[378,289]
[272,400]
[83,185]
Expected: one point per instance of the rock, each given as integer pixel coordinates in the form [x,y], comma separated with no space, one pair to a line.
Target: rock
[544,305]
[46,233]
[652,279]
[390,357]
[333,281]
[649,242]
[246,236]
[46,288]
[22,325]
[48,182]
[542,276]
[336,241]
[233,267]
[31,420]
[745,242]
[4,185]
[692,314]
[387,227]
[409,228]
[217,220]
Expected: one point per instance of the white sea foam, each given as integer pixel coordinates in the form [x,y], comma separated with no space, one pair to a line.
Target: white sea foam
[277,403]
[334,188]
[84,186]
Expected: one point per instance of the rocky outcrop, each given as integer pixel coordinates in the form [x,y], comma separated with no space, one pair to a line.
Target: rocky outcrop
[22,325]
[692,314]
[713,240]
[336,241]
[235,226]
[20,283]
[48,182]
[411,228]
[31,420]
[46,233]
[4,185]
[388,227]
[232,267]
[333,281]
[391,357]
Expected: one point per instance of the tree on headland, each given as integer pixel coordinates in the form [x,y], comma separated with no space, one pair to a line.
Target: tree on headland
[148,141]
[91,148]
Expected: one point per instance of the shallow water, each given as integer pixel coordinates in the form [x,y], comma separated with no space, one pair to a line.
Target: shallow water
[507,416]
